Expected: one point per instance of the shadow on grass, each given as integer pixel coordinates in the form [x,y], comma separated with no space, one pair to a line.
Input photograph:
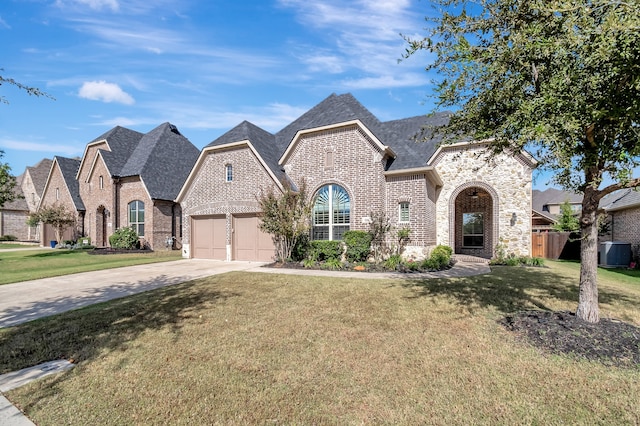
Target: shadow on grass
[85,333]
[511,289]
[53,253]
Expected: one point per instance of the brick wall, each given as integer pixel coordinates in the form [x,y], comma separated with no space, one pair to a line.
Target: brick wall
[210,194]
[14,223]
[420,194]
[97,199]
[625,226]
[356,166]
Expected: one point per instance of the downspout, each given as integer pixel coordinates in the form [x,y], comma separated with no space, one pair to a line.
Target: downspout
[116,203]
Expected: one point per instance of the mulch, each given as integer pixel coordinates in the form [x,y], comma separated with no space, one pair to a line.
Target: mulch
[610,342]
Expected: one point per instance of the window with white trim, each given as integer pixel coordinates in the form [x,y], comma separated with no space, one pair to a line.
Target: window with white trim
[403,212]
[228,172]
[473,230]
[136,217]
[331,213]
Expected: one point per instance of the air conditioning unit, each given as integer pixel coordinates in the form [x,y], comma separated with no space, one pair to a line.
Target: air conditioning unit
[614,254]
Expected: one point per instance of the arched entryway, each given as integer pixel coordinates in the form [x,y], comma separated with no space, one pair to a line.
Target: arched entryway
[101,227]
[474,220]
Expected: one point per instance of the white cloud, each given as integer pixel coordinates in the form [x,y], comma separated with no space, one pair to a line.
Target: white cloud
[4,24]
[105,92]
[21,145]
[93,4]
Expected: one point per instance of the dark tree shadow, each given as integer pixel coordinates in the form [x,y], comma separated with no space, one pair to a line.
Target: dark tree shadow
[84,333]
[509,289]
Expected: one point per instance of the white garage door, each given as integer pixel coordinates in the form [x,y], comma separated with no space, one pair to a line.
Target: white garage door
[249,242]
[209,237]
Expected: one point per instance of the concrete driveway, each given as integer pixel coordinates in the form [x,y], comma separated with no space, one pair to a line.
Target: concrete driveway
[29,300]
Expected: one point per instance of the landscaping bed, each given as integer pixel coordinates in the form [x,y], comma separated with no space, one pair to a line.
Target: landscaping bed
[610,342]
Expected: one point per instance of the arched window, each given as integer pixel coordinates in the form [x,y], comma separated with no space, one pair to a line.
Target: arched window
[136,217]
[331,213]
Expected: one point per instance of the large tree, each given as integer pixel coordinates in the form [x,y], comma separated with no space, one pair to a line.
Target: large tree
[560,78]
[7,183]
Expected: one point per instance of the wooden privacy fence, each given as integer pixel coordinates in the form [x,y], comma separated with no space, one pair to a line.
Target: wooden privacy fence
[555,245]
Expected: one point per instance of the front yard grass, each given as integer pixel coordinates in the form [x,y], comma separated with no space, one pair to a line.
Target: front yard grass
[244,348]
[26,265]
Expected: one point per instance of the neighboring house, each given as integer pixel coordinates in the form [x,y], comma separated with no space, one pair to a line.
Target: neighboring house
[355,165]
[14,215]
[63,188]
[126,179]
[546,207]
[623,210]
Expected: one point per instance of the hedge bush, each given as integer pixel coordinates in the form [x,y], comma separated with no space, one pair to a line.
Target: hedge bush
[358,245]
[321,250]
[124,238]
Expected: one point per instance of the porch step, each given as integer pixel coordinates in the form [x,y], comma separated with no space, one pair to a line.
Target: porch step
[469,259]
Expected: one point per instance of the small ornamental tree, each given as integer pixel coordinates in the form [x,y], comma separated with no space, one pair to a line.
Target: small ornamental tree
[379,228]
[285,216]
[567,222]
[56,215]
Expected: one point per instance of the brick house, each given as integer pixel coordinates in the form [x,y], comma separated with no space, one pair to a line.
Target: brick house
[623,211]
[14,215]
[125,178]
[355,165]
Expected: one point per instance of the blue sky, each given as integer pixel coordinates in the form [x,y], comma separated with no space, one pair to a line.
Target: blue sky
[202,65]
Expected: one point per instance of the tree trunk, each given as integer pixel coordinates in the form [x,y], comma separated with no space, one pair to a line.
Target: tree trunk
[588,300]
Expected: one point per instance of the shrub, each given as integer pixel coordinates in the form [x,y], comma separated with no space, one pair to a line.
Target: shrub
[124,238]
[8,238]
[308,263]
[358,245]
[393,262]
[439,259]
[333,264]
[402,239]
[301,248]
[321,250]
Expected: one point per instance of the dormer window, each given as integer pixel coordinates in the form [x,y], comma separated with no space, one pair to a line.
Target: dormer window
[228,172]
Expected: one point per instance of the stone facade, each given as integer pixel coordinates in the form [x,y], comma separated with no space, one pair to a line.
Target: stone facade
[505,184]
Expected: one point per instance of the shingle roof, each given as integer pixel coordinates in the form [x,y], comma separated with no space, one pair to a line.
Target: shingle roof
[69,169]
[163,159]
[39,174]
[19,204]
[404,137]
[332,110]
[624,199]
[540,199]
[122,142]
[263,142]
[412,140]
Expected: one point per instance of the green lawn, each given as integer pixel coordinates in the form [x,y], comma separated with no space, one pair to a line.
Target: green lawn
[243,348]
[25,265]
[5,246]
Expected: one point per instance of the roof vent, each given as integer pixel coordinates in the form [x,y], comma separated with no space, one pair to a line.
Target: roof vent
[174,129]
